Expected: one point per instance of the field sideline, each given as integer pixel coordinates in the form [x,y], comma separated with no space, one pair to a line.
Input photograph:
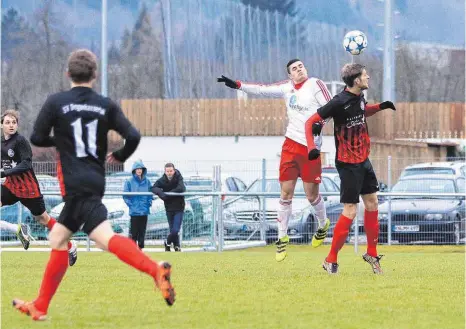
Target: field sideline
[423,287]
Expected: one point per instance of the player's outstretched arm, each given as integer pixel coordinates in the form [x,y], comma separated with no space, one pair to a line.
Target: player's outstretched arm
[271,90]
[372,109]
[25,153]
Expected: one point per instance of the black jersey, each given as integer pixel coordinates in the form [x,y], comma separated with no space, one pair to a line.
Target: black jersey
[80,119]
[352,140]
[17,167]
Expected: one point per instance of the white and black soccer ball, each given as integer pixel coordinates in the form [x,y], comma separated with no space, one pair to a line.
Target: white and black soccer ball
[355,42]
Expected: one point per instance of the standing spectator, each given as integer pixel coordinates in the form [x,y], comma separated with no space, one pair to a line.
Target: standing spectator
[172,181]
[139,205]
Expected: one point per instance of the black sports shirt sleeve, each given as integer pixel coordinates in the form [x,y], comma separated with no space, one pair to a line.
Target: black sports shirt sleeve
[329,109]
[23,148]
[123,126]
[43,126]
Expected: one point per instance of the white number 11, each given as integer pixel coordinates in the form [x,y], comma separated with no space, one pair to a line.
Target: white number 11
[91,138]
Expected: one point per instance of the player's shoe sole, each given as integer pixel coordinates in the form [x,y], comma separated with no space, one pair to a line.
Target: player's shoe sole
[24,234]
[281,244]
[73,253]
[29,309]
[374,262]
[163,282]
[320,234]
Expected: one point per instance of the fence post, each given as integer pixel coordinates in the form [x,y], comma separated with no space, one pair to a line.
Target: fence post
[263,201]
[218,207]
[389,187]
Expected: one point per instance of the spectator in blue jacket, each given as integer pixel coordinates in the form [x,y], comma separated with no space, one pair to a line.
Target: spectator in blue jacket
[139,205]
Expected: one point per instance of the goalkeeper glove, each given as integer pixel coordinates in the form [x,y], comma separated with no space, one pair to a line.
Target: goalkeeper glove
[313,154]
[387,105]
[228,82]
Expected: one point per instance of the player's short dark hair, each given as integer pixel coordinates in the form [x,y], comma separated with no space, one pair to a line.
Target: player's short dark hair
[294,60]
[82,66]
[350,72]
[169,165]
[11,113]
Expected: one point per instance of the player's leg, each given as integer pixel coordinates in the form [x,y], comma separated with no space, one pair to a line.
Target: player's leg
[53,275]
[100,230]
[37,207]
[371,214]
[22,231]
[317,201]
[10,227]
[351,184]
[128,252]
[289,173]
[311,174]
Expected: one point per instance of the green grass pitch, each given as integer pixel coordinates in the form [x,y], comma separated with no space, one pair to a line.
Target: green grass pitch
[423,287]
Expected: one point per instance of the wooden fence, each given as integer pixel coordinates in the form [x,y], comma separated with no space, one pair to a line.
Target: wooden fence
[267,117]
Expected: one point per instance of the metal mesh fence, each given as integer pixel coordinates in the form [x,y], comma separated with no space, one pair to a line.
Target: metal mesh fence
[426,204]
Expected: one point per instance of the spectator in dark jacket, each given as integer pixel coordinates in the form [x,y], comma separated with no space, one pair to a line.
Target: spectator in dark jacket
[172,181]
[139,205]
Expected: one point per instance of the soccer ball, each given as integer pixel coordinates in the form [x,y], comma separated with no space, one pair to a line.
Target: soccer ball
[355,42]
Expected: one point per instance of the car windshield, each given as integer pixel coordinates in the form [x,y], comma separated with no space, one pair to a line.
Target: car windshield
[271,185]
[428,171]
[427,185]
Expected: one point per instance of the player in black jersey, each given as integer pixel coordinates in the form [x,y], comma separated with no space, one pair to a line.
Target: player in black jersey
[80,119]
[349,110]
[21,184]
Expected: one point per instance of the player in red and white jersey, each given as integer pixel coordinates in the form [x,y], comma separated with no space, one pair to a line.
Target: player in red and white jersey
[303,95]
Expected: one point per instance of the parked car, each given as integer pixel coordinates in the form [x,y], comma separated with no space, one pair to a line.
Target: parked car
[436,218]
[435,168]
[241,217]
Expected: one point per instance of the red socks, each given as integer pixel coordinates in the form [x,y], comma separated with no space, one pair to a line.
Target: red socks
[340,233]
[54,273]
[371,226]
[51,223]
[127,251]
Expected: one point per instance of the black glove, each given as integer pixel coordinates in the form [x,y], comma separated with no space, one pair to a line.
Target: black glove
[159,192]
[313,154]
[317,128]
[387,105]
[3,173]
[228,82]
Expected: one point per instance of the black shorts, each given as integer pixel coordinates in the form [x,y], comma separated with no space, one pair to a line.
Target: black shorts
[356,179]
[35,205]
[83,213]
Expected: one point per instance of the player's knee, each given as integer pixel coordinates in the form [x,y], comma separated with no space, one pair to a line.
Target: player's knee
[372,205]
[57,240]
[286,195]
[313,198]
[350,210]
